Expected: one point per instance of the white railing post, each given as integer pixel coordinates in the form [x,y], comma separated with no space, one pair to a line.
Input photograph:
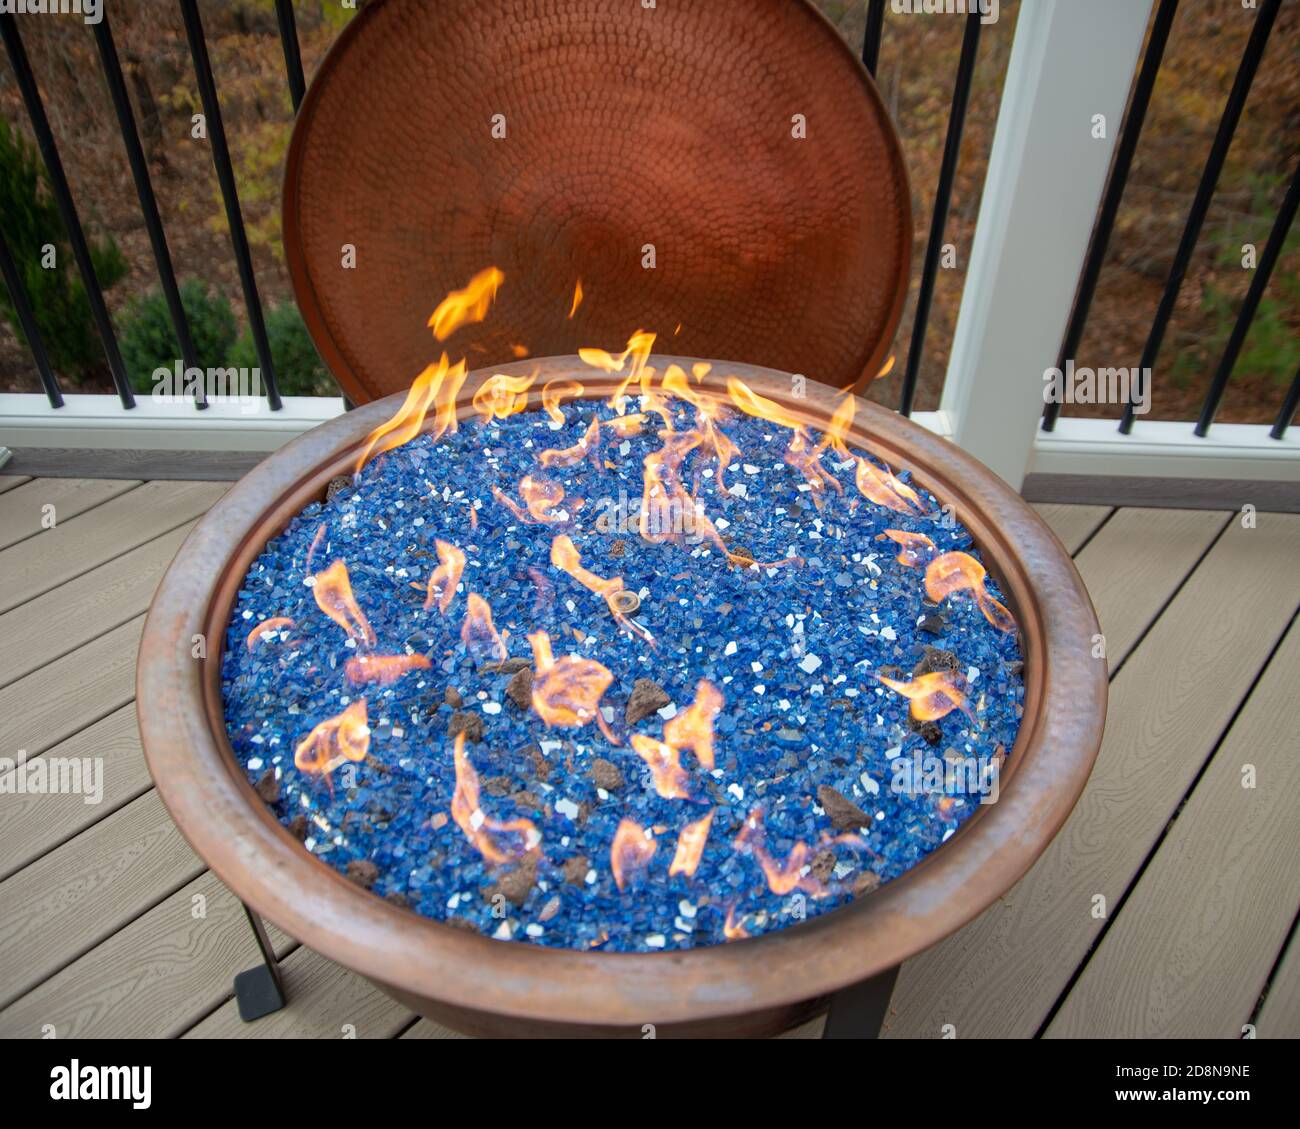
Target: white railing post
[1071,60]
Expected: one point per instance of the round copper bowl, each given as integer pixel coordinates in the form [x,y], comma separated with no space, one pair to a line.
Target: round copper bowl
[752,987]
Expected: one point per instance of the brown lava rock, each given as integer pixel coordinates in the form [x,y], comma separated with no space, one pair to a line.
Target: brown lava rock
[527,801]
[507,666]
[541,766]
[935,659]
[823,864]
[452,697]
[397,898]
[575,869]
[268,787]
[471,724]
[618,549]
[461,923]
[498,785]
[298,827]
[865,883]
[363,872]
[928,729]
[646,698]
[897,673]
[845,814]
[605,774]
[516,884]
[520,688]
[336,487]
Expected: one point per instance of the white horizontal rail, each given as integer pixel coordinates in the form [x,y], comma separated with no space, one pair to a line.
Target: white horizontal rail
[1162,449]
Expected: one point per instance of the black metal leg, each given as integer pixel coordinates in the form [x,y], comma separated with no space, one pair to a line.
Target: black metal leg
[260,990]
[858,1010]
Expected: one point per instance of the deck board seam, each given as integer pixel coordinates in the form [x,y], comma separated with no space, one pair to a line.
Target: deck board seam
[80,513]
[1136,877]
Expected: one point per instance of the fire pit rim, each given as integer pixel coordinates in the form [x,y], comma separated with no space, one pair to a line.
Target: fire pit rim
[220,815]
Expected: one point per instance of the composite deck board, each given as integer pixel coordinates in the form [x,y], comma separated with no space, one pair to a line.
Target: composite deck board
[52,625]
[1072,524]
[23,513]
[1002,974]
[63,697]
[325,1001]
[428,1029]
[1279,1018]
[73,898]
[12,481]
[81,543]
[163,973]
[1136,562]
[31,824]
[1194,945]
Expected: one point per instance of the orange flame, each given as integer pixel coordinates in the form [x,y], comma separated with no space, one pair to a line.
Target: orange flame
[497,840]
[956,572]
[881,487]
[333,593]
[693,727]
[915,548]
[267,626]
[383,670]
[802,454]
[478,631]
[624,426]
[567,691]
[344,737]
[437,386]
[571,456]
[886,368]
[631,850]
[732,929]
[782,877]
[932,695]
[461,307]
[577,298]
[500,396]
[444,578]
[837,431]
[638,349]
[671,781]
[315,544]
[690,846]
[554,393]
[565,556]
[540,495]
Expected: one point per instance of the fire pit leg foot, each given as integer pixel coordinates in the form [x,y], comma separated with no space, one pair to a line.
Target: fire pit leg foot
[259,991]
[858,1010]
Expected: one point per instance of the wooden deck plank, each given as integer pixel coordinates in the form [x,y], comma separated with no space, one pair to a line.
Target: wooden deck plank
[1139,555]
[154,979]
[32,824]
[74,613]
[71,899]
[1001,975]
[1072,524]
[109,530]
[65,696]
[325,1001]
[22,511]
[427,1029]
[12,481]
[1279,1018]
[1191,952]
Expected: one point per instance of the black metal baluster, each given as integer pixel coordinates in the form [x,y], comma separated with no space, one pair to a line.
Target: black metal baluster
[1205,192]
[148,203]
[230,196]
[14,281]
[67,209]
[1246,315]
[292,58]
[1288,411]
[1131,131]
[942,198]
[871,37]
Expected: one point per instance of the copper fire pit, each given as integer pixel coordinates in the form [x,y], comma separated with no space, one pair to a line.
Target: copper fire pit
[758,986]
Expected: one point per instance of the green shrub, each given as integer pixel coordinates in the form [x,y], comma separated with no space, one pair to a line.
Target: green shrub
[299,371]
[56,294]
[148,340]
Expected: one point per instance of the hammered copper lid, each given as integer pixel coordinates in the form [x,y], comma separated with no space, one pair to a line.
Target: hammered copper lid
[625,126]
